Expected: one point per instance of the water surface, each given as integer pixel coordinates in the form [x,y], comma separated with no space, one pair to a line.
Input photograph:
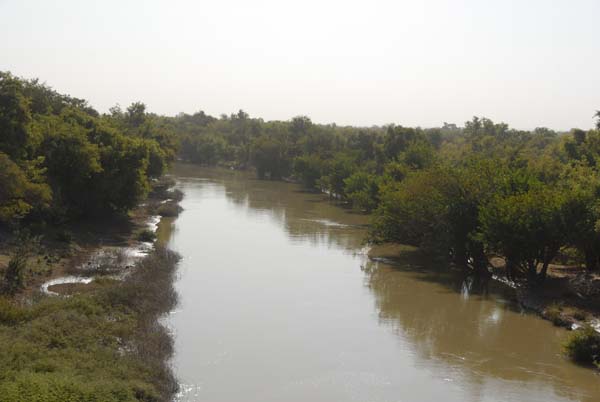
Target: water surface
[278,302]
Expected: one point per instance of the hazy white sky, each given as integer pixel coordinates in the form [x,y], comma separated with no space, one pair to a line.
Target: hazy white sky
[526,62]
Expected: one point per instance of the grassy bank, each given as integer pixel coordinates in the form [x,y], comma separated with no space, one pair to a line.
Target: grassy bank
[104,345]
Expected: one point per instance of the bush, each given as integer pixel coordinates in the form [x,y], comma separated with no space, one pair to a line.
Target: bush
[146,235]
[10,313]
[583,346]
[64,236]
[176,195]
[169,209]
[554,313]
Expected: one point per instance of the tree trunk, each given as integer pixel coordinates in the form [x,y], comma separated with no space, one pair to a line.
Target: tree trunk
[480,261]
[532,272]
[460,256]
[548,257]
[510,269]
[542,274]
[591,259]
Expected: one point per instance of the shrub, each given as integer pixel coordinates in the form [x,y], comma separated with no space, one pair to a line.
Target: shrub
[10,313]
[554,313]
[583,346]
[64,236]
[14,275]
[169,209]
[176,195]
[146,235]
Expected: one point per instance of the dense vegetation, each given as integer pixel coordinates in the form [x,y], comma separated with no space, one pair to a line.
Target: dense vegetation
[60,159]
[463,193]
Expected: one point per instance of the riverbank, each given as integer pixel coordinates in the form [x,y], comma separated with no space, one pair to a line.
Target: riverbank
[97,339]
[569,298]
[77,248]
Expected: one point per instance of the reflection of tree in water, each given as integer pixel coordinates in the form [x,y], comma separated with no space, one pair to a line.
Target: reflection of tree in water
[484,335]
[305,216]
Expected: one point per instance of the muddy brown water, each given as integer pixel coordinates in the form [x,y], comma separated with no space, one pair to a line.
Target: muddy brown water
[278,302]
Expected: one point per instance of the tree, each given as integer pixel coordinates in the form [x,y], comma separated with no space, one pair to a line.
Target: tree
[527,228]
[336,172]
[418,155]
[136,114]
[268,156]
[14,275]
[309,169]
[21,191]
[71,161]
[15,117]
[299,127]
[397,139]
[580,185]
[362,189]
[438,209]
[204,149]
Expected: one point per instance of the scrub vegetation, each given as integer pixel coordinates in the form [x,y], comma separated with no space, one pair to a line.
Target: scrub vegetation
[104,345]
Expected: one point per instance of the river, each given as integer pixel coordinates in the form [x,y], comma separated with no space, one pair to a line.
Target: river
[278,302]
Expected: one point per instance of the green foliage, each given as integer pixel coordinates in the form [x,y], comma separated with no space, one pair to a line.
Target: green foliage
[169,209]
[268,156]
[527,228]
[60,159]
[583,346]
[309,169]
[204,149]
[362,190]
[438,209]
[335,174]
[398,139]
[21,191]
[15,117]
[14,275]
[554,314]
[418,155]
[100,346]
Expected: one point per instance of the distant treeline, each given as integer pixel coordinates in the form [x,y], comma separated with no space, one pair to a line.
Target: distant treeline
[60,159]
[464,193]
